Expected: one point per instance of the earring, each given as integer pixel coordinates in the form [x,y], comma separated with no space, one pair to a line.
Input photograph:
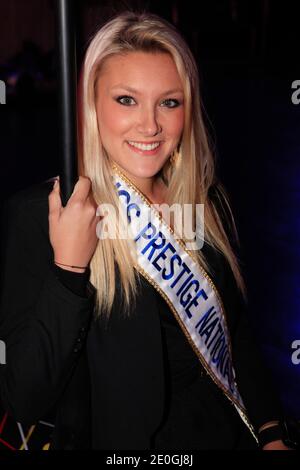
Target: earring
[175,156]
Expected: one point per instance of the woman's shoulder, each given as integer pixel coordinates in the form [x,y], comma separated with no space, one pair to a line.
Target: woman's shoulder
[28,203]
[34,194]
[220,200]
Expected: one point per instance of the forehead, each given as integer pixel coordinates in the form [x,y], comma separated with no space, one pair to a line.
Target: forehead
[141,70]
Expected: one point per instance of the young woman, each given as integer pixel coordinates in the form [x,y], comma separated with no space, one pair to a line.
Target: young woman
[142,341]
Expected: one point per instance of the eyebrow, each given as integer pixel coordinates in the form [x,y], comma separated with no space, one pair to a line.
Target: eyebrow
[133,90]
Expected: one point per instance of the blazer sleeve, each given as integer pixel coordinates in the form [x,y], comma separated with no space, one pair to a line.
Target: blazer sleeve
[76,282]
[42,322]
[253,377]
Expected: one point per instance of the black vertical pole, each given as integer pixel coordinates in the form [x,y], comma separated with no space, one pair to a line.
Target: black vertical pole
[67,96]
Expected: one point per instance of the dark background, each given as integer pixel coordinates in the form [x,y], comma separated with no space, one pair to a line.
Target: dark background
[248,54]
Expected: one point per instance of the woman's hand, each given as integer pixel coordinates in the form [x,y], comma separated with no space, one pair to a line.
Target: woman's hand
[72,229]
[276,445]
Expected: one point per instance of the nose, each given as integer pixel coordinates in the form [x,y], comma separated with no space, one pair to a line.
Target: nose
[148,124]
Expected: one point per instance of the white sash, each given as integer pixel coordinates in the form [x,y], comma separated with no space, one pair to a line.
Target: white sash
[190,293]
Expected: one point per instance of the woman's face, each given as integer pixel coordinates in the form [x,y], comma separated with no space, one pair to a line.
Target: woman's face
[140,111]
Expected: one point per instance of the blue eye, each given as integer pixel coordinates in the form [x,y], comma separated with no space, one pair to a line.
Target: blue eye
[129,101]
[126,100]
[176,103]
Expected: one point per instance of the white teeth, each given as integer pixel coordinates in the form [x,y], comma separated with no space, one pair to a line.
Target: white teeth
[144,146]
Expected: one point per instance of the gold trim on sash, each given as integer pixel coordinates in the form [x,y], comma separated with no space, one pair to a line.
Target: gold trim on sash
[241,410]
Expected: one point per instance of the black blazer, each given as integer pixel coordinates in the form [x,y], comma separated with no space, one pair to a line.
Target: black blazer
[56,353]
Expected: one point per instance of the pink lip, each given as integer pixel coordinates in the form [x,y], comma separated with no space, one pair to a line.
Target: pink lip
[144,152]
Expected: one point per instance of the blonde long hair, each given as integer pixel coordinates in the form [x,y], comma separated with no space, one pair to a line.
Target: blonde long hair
[187,183]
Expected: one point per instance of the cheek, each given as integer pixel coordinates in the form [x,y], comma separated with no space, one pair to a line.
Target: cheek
[175,125]
[113,120]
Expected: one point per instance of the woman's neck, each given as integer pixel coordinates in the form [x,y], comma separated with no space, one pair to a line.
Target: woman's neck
[153,188]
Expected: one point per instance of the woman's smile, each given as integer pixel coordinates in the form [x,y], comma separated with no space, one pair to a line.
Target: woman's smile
[143,148]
